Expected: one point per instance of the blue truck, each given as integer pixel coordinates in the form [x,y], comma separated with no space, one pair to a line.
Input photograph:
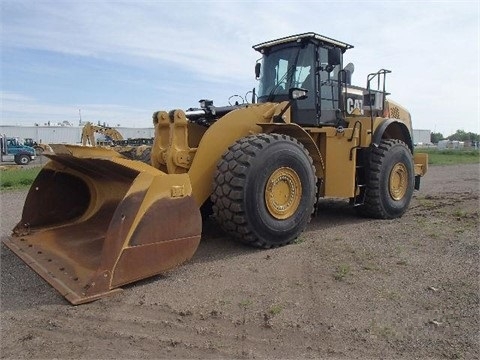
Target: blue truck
[12,149]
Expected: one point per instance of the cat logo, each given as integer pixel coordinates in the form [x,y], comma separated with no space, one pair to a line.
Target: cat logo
[353,104]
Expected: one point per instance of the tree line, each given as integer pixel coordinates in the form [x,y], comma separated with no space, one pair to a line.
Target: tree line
[460,135]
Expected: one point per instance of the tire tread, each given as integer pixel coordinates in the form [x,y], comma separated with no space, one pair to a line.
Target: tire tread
[373,206]
[230,179]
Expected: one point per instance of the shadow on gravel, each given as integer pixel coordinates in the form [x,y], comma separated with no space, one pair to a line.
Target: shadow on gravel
[216,244]
[335,212]
[22,288]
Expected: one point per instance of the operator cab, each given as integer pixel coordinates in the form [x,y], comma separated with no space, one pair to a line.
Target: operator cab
[309,61]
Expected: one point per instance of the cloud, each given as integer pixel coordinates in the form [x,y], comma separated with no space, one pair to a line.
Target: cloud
[212,39]
[129,33]
[205,47]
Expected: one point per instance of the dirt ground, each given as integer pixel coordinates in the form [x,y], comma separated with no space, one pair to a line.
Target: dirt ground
[350,288]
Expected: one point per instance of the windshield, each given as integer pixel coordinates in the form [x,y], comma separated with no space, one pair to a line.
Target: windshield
[283,69]
[13,142]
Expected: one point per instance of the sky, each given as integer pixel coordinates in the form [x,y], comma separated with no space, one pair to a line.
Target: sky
[119,61]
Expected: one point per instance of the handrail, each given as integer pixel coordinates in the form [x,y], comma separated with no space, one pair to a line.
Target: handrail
[370,77]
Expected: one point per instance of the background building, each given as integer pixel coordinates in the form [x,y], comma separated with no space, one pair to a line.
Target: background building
[66,134]
[422,137]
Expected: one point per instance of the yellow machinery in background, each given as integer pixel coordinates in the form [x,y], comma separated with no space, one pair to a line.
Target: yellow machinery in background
[135,149]
[88,135]
[262,166]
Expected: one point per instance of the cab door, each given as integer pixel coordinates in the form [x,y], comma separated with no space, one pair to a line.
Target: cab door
[304,112]
[329,86]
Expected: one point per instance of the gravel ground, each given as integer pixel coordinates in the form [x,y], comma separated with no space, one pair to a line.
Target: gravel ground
[350,288]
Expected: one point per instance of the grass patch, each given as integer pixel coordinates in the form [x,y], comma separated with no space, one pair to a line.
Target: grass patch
[426,203]
[450,156]
[460,213]
[390,295]
[224,302]
[245,303]
[299,240]
[384,331]
[275,310]
[341,272]
[18,178]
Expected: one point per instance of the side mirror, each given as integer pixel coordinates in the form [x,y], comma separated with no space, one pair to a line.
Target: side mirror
[334,56]
[297,94]
[257,70]
[293,94]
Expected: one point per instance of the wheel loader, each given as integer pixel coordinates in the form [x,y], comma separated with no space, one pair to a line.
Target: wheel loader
[94,220]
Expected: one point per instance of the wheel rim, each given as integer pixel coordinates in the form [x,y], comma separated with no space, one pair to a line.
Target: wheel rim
[283,193]
[398,183]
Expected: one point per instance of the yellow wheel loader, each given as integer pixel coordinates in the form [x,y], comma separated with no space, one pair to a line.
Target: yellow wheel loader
[106,220]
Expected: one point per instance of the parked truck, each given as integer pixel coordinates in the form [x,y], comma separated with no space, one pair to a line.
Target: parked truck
[13,150]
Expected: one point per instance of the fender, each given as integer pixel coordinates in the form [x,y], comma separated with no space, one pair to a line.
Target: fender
[304,137]
[217,139]
[392,129]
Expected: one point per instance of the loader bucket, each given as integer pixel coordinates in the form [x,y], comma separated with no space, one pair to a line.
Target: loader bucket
[93,221]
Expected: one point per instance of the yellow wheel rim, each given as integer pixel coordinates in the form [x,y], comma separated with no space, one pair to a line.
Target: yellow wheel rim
[398,183]
[283,192]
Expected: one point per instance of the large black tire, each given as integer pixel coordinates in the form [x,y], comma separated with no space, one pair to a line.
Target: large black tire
[22,159]
[264,190]
[390,181]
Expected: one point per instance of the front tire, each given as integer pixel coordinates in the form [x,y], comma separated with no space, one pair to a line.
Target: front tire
[390,181]
[264,190]
[22,160]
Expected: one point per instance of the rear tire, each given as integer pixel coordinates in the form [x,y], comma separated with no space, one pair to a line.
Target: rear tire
[22,160]
[390,181]
[264,190]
